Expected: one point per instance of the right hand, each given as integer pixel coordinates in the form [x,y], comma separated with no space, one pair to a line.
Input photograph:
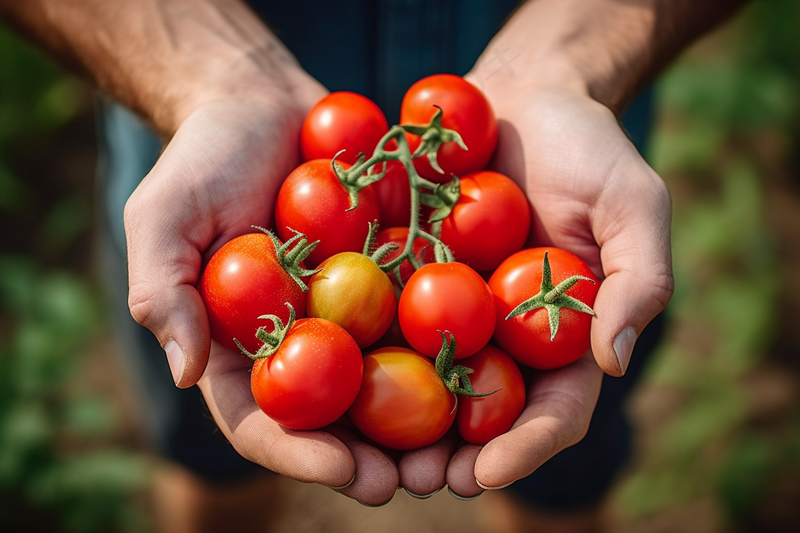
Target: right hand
[219,175]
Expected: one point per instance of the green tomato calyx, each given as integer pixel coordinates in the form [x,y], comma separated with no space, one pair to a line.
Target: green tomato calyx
[271,341]
[291,253]
[456,378]
[553,298]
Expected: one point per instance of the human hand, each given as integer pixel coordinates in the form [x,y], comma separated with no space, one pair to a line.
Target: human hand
[219,175]
[591,194]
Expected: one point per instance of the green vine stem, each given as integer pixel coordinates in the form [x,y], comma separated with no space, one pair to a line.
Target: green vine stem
[442,197]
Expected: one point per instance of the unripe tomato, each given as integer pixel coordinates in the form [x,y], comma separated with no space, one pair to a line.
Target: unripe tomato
[403,404]
[353,292]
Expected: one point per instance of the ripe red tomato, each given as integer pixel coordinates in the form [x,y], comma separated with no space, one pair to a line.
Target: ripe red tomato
[446,297]
[313,201]
[421,248]
[480,419]
[394,196]
[403,404]
[313,377]
[527,337]
[242,281]
[342,120]
[490,221]
[353,292]
[465,110]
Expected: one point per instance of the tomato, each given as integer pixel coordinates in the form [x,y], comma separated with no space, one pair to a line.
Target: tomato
[528,337]
[447,297]
[490,221]
[421,248]
[352,291]
[342,120]
[242,281]
[312,378]
[403,404]
[313,201]
[480,419]
[465,110]
[394,195]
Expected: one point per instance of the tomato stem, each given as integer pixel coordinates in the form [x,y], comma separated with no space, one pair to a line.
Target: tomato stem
[442,197]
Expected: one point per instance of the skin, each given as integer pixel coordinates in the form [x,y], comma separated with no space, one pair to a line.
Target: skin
[230,100]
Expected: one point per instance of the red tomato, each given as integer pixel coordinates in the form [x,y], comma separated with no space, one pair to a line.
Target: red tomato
[421,248]
[480,419]
[465,110]
[527,337]
[242,281]
[353,292]
[342,120]
[312,378]
[313,201]
[446,297]
[403,404]
[394,196]
[490,221]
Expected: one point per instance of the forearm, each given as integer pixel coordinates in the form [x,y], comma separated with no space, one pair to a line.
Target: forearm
[607,48]
[161,58]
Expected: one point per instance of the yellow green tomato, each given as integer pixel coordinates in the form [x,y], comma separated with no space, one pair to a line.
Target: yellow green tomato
[352,291]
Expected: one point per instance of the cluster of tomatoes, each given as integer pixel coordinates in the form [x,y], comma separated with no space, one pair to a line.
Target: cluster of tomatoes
[343,320]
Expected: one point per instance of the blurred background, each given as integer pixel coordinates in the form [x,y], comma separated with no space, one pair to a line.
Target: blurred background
[717,416]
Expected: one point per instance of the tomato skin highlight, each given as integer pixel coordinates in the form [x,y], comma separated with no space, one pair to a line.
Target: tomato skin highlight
[490,221]
[480,419]
[313,201]
[242,281]
[403,403]
[447,297]
[342,120]
[465,110]
[526,337]
[353,292]
[313,377]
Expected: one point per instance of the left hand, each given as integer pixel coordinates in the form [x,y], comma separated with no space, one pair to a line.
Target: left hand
[592,194]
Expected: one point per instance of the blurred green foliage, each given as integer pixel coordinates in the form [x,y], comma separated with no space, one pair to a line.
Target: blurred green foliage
[60,469]
[729,96]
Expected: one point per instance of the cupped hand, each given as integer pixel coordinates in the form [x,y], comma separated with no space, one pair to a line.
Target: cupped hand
[592,194]
[218,176]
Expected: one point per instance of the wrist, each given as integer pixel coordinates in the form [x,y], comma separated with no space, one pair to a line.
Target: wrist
[591,47]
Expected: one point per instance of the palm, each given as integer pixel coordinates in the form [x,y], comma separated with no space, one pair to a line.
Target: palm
[219,176]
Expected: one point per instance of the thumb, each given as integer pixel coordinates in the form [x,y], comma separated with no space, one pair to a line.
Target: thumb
[163,270]
[635,252]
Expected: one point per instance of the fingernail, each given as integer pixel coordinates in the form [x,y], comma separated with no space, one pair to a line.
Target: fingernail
[462,498]
[420,496]
[352,479]
[484,487]
[623,347]
[176,359]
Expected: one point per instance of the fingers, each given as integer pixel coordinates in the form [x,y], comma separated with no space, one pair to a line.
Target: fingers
[376,477]
[308,456]
[461,480]
[557,415]
[422,472]
[637,262]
